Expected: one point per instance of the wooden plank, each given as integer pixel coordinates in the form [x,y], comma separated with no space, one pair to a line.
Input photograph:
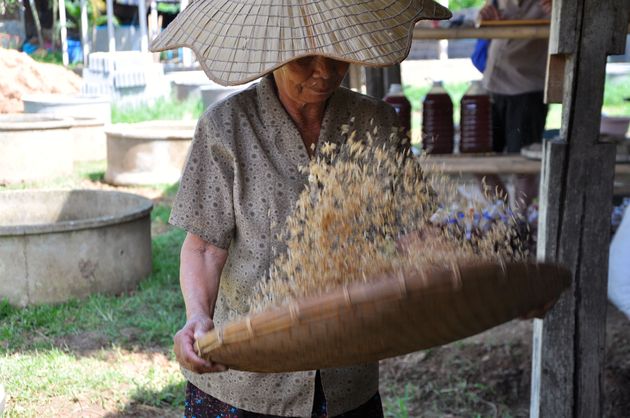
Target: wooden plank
[570,359]
[491,164]
[511,32]
[554,79]
[622,16]
[513,22]
[562,39]
[356,75]
[374,82]
[551,181]
[391,75]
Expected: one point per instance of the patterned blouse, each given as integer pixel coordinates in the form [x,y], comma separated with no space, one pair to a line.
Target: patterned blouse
[239,184]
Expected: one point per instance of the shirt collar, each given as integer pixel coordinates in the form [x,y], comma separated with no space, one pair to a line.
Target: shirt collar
[285,134]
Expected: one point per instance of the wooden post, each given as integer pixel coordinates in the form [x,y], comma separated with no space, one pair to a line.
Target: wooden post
[142,20]
[374,82]
[110,26]
[576,193]
[85,43]
[391,75]
[63,24]
[378,80]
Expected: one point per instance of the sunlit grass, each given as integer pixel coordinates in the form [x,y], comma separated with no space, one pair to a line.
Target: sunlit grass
[164,108]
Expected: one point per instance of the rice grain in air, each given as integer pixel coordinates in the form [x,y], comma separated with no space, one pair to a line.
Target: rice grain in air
[369,210]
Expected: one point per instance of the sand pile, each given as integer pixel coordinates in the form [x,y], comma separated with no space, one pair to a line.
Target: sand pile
[22,75]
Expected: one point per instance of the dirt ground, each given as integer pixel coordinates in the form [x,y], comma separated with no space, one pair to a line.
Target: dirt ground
[488,375]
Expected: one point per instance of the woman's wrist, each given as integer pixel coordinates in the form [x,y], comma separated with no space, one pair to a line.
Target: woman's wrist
[197,314]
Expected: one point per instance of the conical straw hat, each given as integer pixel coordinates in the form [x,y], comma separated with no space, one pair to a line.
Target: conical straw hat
[237,41]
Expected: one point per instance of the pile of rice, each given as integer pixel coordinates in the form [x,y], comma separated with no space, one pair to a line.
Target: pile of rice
[369,210]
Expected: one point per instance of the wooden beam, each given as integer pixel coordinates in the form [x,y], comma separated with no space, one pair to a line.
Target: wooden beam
[554,78]
[516,32]
[492,164]
[512,32]
[378,80]
[391,75]
[374,82]
[576,201]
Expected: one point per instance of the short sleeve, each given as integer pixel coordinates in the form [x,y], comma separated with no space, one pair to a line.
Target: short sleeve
[204,202]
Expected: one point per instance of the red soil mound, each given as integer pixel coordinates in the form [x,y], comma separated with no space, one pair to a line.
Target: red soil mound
[21,75]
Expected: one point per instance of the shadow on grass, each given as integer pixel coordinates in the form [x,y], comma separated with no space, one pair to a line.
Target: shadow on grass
[167,402]
[147,317]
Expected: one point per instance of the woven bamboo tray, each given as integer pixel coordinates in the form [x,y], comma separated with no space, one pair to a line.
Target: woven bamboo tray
[366,322]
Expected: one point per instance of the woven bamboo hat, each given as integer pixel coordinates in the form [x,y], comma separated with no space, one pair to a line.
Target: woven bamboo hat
[237,41]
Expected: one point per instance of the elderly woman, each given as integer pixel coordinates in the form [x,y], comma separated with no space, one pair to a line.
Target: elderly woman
[243,176]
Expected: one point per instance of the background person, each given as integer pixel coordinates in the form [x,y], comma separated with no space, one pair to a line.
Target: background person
[515,79]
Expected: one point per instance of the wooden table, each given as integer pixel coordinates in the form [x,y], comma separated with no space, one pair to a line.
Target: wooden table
[491,164]
[486,32]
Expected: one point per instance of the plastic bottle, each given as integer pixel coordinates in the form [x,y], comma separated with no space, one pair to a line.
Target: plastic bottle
[437,121]
[396,98]
[476,121]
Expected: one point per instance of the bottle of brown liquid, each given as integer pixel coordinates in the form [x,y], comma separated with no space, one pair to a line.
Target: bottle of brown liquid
[399,102]
[437,121]
[476,121]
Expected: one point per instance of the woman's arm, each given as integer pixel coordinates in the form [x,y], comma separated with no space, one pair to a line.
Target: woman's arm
[200,272]
[490,11]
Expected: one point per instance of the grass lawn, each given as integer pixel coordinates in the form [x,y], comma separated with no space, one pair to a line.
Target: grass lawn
[111,355]
[105,354]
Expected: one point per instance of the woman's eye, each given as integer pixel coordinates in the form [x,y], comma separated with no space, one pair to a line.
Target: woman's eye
[305,61]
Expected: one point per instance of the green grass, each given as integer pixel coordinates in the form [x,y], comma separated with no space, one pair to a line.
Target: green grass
[162,109]
[617,89]
[155,310]
[34,362]
[397,406]
[83,170]
[102,349]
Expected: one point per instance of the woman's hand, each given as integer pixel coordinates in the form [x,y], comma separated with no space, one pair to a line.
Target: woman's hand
[184,346]
[489,12]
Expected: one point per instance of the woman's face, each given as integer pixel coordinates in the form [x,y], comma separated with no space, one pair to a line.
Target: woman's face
[310,79]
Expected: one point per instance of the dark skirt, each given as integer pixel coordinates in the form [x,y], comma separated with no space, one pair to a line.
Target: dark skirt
[201,405]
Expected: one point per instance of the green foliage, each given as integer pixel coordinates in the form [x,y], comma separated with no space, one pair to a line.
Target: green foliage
[170,8]
[615,94]
[95,10]
[455,5]
[8,7]
[83,170]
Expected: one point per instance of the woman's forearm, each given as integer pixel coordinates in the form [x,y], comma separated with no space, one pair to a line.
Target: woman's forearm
[199,276]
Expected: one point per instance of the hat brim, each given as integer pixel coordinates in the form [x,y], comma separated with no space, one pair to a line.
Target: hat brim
[237,42]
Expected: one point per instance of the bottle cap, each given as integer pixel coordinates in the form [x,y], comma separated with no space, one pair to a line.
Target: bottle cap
[395,89]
